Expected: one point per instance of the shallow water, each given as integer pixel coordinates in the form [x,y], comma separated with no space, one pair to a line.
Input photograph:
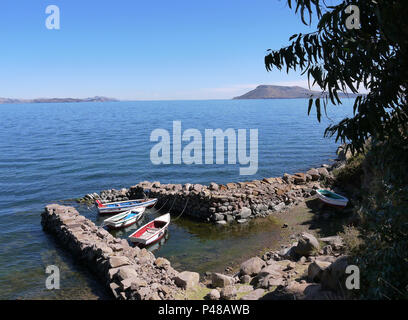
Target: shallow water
[51,152]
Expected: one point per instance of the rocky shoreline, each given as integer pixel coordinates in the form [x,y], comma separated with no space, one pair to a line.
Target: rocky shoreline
[232,202]
[309,268]
[128,272]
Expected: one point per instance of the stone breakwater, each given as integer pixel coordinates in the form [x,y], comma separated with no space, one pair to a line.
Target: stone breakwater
[227,203]
[128,272]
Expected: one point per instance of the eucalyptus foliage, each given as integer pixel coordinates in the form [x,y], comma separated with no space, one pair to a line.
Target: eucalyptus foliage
[373,56]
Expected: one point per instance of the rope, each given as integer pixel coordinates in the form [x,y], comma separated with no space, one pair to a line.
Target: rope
[182,211]
[174,201]
[162,205]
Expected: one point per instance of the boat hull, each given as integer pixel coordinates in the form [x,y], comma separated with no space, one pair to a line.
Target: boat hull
[142,237]
[327,198]
[118,207]
[122,220]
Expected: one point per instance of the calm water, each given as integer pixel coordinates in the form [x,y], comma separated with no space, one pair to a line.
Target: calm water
[54,152]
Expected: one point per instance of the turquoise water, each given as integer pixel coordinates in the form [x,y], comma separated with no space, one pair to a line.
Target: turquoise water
[54,152]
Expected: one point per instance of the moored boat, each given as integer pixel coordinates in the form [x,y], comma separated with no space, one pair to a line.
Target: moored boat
[121,206]
[152,231]
[331,198]
[125,219]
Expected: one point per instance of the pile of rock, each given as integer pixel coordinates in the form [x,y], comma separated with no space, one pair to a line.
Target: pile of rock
[231,202]
[302,271]
[128,272]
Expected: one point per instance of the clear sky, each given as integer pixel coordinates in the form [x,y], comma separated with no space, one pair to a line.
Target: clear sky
[143,50]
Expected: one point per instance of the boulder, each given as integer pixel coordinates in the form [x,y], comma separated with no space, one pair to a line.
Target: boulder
[254,295]
[126,272]
[214,294]
[245,279]
[252,266]
[162,263]
[228,293]
[307,245]
[334,277]
[336,242]
[245,213]
[221,280]
[314,174]
[299,178]
[187,279]
[118,261]
[323,173]
[315,270]
[213,186]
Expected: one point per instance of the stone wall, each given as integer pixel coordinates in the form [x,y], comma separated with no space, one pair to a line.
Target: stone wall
[128,272]
[226,203]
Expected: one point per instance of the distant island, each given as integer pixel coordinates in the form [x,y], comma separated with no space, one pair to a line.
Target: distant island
[56,100]
[285,92]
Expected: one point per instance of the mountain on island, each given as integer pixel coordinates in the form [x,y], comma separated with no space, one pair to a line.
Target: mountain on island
[285,92]
[56,100]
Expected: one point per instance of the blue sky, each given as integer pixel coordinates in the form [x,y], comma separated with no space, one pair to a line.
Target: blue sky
[143,50]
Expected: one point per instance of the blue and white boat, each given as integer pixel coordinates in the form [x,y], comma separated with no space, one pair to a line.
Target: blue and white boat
[124,219]
[117,207]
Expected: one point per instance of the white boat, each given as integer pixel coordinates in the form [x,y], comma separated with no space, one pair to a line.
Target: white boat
[331,198]
[125,219]
[121,206]
[152,231]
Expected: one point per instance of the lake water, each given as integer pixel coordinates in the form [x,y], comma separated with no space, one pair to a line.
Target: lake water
[55,152]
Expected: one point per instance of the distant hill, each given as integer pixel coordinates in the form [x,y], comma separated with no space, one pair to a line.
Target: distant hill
[56,100]
[284,92]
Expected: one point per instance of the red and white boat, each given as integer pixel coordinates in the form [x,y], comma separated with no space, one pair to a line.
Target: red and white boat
[152,231]
[117,207]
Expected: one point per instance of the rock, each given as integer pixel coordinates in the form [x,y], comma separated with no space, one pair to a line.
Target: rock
[118,261]
[245,279]
[254,295]
[126,272]
[228,293]
[252,266]
[314,174]
[221,281]
[299,178]
[222,222]
[307,245]
[213,186]
[315,270]
[135,281]
[336,242]
[279,207]
[162,263]
[327,250]
[323,173]
[333,277]
[242,220]
[214,294]
[245,213]
[187,279]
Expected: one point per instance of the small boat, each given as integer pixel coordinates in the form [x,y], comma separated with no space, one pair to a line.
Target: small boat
[117,207]
[152,231]
[125,219]
[332,198]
